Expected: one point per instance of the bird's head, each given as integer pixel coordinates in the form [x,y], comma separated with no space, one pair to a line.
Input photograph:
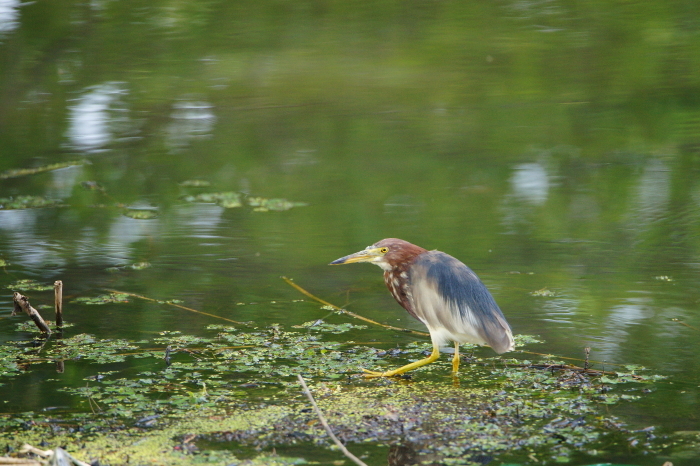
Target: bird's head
[387,254]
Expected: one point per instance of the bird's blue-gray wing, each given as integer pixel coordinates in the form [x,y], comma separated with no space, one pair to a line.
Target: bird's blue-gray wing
[454,304]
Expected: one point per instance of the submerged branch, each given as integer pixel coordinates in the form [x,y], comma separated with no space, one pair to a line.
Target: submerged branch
[351,314]
[330,433]
[176,305]
[22,304]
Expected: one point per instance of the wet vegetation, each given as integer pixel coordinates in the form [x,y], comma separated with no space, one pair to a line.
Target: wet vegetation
[204,398]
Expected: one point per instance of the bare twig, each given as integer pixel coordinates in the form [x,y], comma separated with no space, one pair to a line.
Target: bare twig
[22,304]
[683,323]
[58,302]
[321,418]
[176,305]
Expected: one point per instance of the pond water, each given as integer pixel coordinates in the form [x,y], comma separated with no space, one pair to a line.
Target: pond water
[552,146]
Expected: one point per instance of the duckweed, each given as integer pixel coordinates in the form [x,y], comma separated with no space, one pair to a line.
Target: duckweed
[238,385]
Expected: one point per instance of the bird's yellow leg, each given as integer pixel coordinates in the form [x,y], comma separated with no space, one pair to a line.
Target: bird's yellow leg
[455,360]
[408,367]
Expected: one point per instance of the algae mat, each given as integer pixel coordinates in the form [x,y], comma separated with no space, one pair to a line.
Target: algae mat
[203,397]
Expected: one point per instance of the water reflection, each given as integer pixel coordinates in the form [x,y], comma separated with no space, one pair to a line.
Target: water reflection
[93,248]
[190,120]
[23,245]
[196,220]
[653,191]
[9,15]
[618,325]
[63,181]
[530,183]
[97,116]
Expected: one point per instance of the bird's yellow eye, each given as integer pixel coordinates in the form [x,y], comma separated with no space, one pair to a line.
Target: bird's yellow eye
[384,250]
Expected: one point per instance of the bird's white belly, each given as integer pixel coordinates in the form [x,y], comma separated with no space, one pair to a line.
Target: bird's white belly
[440,336]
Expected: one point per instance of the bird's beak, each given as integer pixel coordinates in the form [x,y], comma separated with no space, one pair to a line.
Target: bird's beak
[366,255]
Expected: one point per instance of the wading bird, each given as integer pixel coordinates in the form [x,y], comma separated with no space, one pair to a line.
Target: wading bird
[441,292]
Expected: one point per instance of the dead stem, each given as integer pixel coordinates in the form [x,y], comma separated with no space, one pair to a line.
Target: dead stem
[330,433]
[176,305]
[683,323]
[352,314]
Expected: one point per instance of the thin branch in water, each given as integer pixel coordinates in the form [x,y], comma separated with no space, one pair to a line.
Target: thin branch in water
[321,418]
[176,305]
[683,323]
[352,314]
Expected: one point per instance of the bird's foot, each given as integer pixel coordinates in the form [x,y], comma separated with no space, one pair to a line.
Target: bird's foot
[373,374]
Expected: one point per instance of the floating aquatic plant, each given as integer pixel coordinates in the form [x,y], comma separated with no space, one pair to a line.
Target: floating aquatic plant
[228,200]
[29,285]
[232,200]
[543,292]
[103,299]
[27,202]
[262,204]
[238,383]
[141,214]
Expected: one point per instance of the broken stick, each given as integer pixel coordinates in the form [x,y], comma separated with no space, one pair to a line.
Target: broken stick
[22,304]
[58,302]
[325,425]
